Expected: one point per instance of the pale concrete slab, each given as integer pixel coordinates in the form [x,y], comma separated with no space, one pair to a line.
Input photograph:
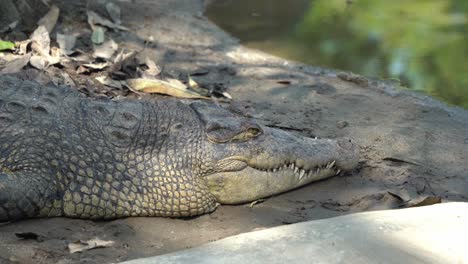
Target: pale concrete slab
[430,234]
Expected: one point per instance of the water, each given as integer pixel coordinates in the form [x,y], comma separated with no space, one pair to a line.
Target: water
[422,44]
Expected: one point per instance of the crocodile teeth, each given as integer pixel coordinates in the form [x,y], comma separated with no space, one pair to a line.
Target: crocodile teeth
[295,169]
[274,170]
[338,172]
[331,164]
[301,174]
[318,170]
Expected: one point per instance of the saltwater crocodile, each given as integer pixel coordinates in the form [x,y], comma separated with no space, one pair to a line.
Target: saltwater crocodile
[63,154]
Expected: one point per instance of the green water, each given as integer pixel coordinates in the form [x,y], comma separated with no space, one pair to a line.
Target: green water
[422,44]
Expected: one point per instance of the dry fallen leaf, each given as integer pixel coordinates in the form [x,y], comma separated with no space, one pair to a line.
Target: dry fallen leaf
[205,91]
[192,83]
[114,12]
[153,69]
[95,19]
[81,56]
[66,43]
[42,39]
[16,64]
[80,246]
[429,200]
[55,52]
[96,66]
[109,82]
[106,50]
[122,59]
[39,62]
[197,88]
[41,50]
[43,62]
[171,87]
[50,19]
[67,80]
[176,83]
[81,69]
[23,46]
[225,94]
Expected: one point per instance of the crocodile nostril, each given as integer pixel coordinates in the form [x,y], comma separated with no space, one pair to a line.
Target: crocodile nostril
[346,143]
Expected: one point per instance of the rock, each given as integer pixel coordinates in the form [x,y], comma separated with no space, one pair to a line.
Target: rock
[341,124]
[429,234]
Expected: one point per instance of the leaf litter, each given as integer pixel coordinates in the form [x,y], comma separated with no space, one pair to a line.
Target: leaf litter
[94,19]
[117,70]
[50,19]
[171,87]
[81,245]
[6,45]
[15,64]
[66,43]
[114,12]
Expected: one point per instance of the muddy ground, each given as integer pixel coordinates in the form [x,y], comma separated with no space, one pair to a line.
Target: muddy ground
[412,147]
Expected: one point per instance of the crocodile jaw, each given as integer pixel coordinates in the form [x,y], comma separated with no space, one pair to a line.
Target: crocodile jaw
[250,184]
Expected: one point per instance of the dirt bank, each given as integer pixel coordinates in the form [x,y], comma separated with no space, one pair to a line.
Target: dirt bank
[412,146]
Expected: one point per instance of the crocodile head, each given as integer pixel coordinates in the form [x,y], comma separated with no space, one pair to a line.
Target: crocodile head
[248,161]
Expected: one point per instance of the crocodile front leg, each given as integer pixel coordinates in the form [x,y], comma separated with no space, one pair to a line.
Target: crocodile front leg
[27,194]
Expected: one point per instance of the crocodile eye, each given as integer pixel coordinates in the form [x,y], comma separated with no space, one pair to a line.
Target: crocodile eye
[253,132]
[249,133]
[222,135]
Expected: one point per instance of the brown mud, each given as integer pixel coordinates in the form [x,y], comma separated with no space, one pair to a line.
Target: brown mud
[412,146]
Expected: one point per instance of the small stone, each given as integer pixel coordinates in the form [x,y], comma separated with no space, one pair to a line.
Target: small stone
[341,124]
